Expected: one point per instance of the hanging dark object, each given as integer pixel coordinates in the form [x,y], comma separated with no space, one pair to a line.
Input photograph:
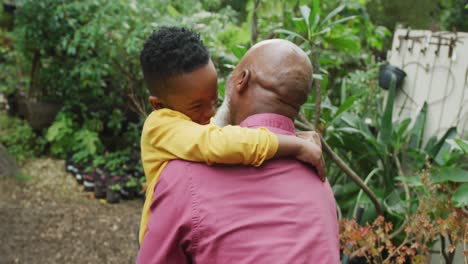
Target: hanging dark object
[9,8]
[385,75]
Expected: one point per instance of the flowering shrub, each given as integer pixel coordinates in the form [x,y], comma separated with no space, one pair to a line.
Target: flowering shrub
[435,218]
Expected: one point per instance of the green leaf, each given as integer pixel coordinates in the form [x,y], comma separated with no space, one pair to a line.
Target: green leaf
[394,204]
[460,196]
[339,21]
[443,147]
[386,125]
[314,17]
[412,180]
[463,144]
[333,13]
[449,174]
[345,43]
[300,25]
[239,51]
[403,126]
[434,148]
[172,11]
[288,32]
[305,12]
[417,132]
[346,105]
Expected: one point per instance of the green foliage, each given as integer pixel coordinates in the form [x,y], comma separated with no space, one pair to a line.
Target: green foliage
[65,137]
[454,15]
[460,196]
[115,187]
[116,161]
[449,174]
[20,139]
[11,72]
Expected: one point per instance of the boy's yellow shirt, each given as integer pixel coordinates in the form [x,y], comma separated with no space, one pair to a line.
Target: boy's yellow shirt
[169,135]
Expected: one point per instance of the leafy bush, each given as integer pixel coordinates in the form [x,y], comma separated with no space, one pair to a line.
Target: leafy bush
[430,216]
[66,137]
[20,139]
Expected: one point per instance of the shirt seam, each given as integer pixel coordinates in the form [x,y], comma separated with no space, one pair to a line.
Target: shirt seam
[195,219]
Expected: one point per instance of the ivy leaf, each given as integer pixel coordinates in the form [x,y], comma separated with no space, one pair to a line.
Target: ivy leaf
[460,197]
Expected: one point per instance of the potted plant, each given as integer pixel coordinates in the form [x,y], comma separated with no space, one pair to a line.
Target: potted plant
[113,191]
[100,185]
[129,187]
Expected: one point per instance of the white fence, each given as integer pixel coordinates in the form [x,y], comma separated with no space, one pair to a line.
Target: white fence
[436,64]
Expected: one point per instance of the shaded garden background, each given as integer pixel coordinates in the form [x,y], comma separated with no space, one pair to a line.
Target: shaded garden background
[80,58]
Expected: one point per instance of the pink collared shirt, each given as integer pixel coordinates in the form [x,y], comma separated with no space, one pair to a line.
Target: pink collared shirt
[278,213]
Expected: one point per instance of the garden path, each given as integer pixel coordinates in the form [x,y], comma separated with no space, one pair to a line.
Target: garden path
[47,218]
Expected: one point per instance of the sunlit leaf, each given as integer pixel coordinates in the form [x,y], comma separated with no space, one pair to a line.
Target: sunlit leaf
[172,11]
[305,12]
[288,32]
[340,21]
[333,13]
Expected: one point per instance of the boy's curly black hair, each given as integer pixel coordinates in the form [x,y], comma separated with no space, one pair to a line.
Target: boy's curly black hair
[170,51]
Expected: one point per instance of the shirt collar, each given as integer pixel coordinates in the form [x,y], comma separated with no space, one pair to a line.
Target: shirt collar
[275,123]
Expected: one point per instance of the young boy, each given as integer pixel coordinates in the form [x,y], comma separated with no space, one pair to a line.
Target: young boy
[183,88]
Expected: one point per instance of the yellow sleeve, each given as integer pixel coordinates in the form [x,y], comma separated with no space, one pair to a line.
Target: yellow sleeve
[178,138]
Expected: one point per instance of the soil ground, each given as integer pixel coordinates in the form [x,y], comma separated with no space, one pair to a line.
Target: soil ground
[48,218]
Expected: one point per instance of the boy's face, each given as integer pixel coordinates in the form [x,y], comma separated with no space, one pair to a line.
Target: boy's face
[194,94]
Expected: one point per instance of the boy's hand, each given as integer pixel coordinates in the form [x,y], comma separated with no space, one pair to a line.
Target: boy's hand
[312,152]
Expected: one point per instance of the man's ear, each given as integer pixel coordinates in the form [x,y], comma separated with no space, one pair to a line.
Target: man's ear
[155,102]
[243,81]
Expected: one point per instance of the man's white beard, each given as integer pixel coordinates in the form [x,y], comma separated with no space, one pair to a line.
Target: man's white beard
[223,115]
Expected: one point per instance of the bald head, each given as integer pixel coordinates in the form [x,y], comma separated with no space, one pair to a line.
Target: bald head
[280,66]
[274,76]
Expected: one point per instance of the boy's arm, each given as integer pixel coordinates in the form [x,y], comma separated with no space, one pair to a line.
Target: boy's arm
[184,139]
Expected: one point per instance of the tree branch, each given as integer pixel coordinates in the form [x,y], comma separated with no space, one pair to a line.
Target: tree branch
[304,124]
[442,249]
[253,24]
[318,87]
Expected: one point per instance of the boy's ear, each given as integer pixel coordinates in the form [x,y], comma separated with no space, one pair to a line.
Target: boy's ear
[243,81]
[155,102]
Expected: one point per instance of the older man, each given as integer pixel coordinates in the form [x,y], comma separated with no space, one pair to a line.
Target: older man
[279,213]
